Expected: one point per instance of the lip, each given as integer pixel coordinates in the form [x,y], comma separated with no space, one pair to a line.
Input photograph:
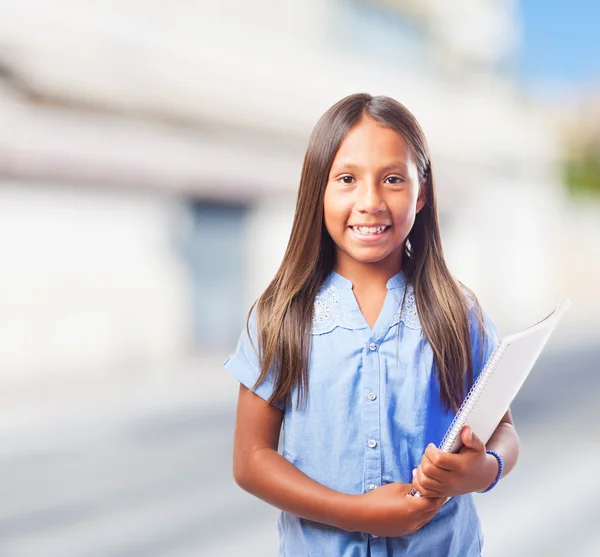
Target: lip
[376,224]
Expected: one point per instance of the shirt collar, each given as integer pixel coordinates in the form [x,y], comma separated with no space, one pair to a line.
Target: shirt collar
[336,306]
[397,281]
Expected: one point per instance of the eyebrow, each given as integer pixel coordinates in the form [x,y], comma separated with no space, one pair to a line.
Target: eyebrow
[351,166]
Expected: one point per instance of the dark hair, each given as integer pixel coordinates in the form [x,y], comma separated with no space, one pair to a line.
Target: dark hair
[285,309]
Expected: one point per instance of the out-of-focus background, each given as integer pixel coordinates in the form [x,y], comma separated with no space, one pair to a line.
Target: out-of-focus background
[149,158]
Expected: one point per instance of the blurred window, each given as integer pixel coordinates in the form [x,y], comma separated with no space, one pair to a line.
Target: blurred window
[214,253]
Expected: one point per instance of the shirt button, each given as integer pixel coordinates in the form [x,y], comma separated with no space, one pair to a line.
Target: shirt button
[372,487]
[372,347]
[372,396]
[372,443]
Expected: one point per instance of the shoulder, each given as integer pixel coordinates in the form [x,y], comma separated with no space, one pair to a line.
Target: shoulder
[328,309]
[408,311]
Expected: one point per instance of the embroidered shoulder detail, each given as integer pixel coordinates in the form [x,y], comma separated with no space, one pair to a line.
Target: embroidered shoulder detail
[407,313]
[327,311]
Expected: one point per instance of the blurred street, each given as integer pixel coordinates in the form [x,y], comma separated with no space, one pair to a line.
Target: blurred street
[140,465]
[150,158]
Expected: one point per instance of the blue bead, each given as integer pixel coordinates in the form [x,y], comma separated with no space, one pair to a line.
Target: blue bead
[500,470]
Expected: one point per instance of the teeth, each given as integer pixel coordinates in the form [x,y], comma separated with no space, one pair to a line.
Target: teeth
[369,229]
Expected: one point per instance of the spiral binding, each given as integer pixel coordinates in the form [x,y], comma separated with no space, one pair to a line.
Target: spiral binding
[470,400]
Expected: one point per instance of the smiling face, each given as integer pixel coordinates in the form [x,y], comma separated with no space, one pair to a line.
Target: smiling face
[372,198]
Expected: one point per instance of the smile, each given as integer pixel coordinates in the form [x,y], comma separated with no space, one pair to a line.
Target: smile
[369,230]
[367,235]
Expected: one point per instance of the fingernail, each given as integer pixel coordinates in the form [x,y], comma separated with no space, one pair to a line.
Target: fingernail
[414,472]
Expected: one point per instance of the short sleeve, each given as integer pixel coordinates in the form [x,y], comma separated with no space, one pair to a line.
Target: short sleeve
[243,364]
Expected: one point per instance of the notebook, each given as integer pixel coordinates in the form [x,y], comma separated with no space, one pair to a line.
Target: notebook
[500,380]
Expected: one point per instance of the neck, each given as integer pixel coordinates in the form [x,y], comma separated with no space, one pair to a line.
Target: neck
[367,275]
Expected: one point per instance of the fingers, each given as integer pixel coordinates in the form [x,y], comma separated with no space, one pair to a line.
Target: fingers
[426,505]
[470,440]
[431,480]
[425,510]
[434,506]
[427,487]
[425,518]
[441,459]
[434,474]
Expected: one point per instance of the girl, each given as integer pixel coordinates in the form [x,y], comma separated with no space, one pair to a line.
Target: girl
[363,347]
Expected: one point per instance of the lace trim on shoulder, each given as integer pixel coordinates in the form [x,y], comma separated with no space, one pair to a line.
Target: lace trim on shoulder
[407,312]
[327,313]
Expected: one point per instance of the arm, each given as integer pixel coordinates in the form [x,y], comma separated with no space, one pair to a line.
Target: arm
[505,441]
[259,469]
[443,474]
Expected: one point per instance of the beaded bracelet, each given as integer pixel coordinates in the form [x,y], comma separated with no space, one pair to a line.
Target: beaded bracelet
[500,470]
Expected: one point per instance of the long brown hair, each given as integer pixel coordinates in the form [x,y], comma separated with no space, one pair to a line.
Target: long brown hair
[284,311]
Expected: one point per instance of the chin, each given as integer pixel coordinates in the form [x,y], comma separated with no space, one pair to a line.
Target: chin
[368,258]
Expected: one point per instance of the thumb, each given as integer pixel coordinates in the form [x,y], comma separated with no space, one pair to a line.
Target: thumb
[471,441]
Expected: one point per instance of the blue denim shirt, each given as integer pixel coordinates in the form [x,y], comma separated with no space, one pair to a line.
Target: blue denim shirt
[373,407]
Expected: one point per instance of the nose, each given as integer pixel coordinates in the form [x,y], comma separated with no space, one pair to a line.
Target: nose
[369,199]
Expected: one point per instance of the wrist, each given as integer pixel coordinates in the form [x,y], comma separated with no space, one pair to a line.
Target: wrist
[491,469]
[347,512]
[495,465]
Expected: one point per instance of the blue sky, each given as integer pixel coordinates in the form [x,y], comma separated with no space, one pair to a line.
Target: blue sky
[560,41]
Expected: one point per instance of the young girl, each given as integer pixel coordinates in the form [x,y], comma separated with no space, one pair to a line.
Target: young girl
[363,347]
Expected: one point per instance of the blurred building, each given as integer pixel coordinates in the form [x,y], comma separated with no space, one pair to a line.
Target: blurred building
[577,119]
[150,154]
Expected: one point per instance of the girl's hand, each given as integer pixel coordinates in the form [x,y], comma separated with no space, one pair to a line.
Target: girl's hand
[390,511]
[442,474]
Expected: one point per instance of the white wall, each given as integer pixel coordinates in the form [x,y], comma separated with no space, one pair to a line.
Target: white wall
[217,100]
[269,224]
[88,282]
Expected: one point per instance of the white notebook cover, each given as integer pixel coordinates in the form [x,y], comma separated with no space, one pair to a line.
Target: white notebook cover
[503,375]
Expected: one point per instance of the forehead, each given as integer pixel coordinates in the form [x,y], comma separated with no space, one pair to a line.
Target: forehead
[371,143]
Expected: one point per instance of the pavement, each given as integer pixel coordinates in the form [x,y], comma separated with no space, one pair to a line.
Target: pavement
[138,462]
[62,408]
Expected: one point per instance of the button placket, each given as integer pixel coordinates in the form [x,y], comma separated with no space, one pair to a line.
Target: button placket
[372,422]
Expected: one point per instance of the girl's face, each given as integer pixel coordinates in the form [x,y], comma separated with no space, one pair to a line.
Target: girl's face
[372,197]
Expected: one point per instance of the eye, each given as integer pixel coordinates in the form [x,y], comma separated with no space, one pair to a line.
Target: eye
[346,179]
[394,180]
